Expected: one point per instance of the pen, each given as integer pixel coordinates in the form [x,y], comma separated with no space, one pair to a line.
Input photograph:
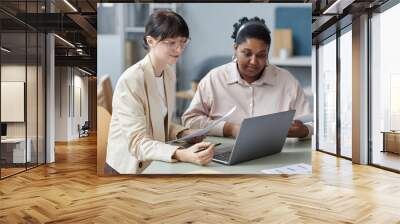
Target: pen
[202,149]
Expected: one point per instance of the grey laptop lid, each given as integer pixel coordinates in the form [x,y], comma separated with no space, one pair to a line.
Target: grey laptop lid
[261,136]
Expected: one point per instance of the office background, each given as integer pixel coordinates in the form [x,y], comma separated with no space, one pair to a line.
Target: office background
[121,28]
[22,78]
[357,88]
[45,96]
[120,38]
[339,190]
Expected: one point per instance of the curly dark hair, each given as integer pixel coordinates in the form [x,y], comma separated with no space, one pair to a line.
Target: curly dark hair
[251,28]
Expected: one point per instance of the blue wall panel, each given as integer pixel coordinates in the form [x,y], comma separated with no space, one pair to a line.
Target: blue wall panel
[299,21]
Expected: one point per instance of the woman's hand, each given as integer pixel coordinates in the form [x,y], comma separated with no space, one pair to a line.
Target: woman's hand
[200,153]
[192,140]
[298,130]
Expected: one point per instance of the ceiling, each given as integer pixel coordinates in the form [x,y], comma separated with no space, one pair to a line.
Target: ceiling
[74,21]
[329,15]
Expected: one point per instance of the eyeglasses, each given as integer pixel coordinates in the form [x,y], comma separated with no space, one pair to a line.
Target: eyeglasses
[173,44]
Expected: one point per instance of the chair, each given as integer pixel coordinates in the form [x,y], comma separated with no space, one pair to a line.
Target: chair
[104,110]
[103,123]
[209,64]
[84,129]
[185,96]
[104,93]
[202,70]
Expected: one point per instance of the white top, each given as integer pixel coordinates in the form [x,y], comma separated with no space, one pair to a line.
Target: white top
[161,92]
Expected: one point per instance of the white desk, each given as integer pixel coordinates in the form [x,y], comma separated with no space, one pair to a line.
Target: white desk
[18,150]
[293,152]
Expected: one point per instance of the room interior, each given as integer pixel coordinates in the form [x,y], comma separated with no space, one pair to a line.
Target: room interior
[48,173]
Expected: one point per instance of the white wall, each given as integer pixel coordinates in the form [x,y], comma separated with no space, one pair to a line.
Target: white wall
[211,27]
[33,126]
[111,45]
[17,73]
[111,62]
[50,94]
[70,84]
[61,103]
[80,105]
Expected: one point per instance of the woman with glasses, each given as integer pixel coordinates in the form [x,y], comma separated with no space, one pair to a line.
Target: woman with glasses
[250,83]
[143,103]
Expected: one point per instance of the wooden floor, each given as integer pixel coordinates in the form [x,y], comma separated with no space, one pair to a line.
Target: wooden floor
[387,159]
[10,171]
[70,192]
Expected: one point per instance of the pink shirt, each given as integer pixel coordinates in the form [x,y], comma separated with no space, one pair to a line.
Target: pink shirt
[223,88]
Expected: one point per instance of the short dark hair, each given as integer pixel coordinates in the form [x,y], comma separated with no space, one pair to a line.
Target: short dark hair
[165,24]
[251,28]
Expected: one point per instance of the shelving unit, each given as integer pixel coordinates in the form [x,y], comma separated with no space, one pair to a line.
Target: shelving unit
[299,67]
[138,10]
[136,16]
[296,61]
[134,29]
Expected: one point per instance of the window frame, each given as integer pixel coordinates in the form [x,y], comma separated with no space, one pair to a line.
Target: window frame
[334,36]
[379,10]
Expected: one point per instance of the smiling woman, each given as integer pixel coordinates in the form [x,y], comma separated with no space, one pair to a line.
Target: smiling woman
[250,83]
[252,42]
[143,103]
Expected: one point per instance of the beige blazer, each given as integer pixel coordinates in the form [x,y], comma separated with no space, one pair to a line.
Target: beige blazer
[137,132]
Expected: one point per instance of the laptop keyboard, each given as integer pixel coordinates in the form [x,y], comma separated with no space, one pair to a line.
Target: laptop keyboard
[223,156]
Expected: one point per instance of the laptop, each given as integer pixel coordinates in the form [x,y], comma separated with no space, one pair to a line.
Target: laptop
[258,137]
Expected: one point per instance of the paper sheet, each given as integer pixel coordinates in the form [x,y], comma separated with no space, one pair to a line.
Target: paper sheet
[204,131]
[300,168]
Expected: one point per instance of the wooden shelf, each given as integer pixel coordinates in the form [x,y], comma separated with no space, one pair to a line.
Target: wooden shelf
[185,94]
[134,29]
[296,61]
